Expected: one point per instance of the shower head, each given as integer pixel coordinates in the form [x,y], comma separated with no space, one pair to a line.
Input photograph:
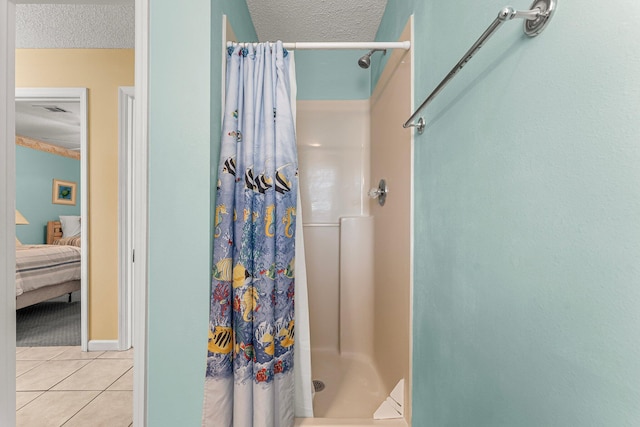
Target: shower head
[365,60]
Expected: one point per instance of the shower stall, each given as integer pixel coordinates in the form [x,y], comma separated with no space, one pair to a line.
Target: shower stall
[358,253]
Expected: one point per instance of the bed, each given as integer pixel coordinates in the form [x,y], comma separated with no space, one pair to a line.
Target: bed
[47,271]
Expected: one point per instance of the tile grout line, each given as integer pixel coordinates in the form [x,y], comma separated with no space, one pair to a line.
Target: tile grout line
[110,385]
[101,392]
[82,367]
[42,393]
[51,388]
[87,404]
[33,367]
[37,397]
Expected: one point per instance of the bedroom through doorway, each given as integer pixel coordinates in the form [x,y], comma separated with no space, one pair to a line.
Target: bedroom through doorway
[51,280]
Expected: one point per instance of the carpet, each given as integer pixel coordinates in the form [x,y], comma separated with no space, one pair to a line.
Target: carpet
[51,323]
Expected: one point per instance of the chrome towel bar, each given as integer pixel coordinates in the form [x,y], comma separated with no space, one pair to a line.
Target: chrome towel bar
[536,20]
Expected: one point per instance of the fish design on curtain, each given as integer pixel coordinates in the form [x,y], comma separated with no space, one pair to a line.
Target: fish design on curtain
[249,376]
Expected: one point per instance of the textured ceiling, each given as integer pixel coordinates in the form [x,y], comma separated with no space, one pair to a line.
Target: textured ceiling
[112,25]
[320,20]
[106,25]
[75,26]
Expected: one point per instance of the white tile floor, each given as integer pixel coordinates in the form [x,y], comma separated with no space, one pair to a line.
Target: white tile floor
[63,386]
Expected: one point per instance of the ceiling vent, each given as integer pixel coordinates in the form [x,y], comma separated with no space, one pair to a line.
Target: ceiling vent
[52,108]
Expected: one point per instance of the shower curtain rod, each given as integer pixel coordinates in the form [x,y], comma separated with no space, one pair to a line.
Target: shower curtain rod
[406,45]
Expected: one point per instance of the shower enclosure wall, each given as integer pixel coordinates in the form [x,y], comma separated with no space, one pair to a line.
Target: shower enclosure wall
[333,152]
[334,157]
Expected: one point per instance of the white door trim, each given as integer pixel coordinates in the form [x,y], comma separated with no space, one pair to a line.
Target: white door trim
[7,216]
[140,238]
[72,94]
[7,213]
[125,217]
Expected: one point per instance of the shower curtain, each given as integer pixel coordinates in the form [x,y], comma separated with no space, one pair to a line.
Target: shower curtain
[250,358]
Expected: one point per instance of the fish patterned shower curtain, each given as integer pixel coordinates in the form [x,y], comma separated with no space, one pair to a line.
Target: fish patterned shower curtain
[250,375]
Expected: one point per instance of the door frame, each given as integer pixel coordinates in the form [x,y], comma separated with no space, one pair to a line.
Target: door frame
[73,94]
[126,161]
[7,209]
[140,237]
[7,216]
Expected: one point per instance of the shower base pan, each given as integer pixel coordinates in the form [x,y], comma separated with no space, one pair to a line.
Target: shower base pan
[353,391]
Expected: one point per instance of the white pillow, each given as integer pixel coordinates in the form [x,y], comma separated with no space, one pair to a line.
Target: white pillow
[70,226]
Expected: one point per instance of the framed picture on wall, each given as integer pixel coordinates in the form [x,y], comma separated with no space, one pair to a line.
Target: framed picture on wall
[64,192]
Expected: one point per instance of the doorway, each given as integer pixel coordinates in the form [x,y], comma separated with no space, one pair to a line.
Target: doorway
[51,96]
[7,207]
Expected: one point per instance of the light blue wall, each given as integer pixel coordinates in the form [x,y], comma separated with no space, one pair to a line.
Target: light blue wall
[179,189]
[527,218]
[35,171]
[184,114]
[331,75]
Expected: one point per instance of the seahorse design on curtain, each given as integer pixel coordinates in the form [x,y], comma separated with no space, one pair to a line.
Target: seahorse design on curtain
[251,327]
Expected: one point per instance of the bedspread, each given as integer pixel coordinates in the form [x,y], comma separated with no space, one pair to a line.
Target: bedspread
[72,241]
[44,265]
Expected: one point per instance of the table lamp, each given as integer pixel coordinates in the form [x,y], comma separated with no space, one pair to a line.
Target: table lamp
[20,220]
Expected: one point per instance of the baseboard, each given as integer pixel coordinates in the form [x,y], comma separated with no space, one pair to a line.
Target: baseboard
[103,345]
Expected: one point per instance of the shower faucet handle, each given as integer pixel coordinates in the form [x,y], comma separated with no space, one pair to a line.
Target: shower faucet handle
[380,193]
[374,193]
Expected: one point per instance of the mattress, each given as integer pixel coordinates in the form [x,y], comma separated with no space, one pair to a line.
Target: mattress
[38,266]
